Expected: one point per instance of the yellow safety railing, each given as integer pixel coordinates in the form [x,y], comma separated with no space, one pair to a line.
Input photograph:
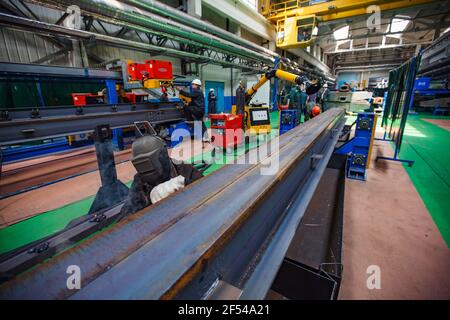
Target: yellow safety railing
[282,6]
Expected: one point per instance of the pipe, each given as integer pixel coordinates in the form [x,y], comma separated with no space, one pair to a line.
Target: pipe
[177,15]
[159,23]
[126,13]
[162,24]
[43,27]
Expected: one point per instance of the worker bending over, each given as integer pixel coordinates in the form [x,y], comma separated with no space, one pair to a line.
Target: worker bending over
[195,109]
[157,175]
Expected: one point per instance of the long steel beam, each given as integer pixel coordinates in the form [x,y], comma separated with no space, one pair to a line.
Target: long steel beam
[229,226]
[8,69]
[51,122]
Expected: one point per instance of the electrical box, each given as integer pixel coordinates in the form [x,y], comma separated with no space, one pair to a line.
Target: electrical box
[287,120]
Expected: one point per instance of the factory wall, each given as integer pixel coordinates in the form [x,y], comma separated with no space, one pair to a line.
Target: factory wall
[230,78]
[21,47]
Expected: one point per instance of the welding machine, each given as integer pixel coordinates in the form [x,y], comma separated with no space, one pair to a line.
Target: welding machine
[359,148]
[257,119]
[226,130]
[287,120]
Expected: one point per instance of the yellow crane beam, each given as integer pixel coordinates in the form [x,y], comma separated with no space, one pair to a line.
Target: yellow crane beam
[297,23]
[340,9]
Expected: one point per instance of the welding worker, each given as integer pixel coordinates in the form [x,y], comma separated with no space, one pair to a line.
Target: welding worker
[303,100]
[195,109]
[311,101]
[157,175]
[212,102]
[297,101]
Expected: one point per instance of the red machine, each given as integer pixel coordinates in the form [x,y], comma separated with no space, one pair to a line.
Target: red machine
[82,99]
[135,97]
[226,130]
[151,69]
[137,71]
[159,69]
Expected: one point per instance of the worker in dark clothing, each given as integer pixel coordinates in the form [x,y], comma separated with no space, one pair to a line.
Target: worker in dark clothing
[295,102]
[157,175]
[303,101]
[195,109]
[212,102]
[164,97]
[241,93]
[324,93]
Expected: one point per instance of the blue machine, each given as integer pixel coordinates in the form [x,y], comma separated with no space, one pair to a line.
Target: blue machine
[182,131]
[287,120]
[359,148]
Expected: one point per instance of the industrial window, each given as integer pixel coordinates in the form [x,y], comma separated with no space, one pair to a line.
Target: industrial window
[397,26]
[341,33]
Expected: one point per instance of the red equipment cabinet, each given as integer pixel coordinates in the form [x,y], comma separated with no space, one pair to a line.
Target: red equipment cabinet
[138,71]
[226,130]
[159,69]
[135,97]
[82,99]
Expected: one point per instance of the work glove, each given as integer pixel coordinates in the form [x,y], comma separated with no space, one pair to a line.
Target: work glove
[165,189]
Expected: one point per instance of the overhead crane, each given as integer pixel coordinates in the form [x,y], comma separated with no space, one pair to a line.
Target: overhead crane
[297,20]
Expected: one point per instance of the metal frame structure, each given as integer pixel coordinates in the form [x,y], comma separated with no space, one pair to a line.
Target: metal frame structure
[223,48]
[28,124]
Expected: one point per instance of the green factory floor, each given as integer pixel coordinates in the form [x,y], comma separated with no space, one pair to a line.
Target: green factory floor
[429,146]
[424,142]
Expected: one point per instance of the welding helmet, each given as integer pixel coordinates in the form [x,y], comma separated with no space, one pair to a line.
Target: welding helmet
[313,87]
[151,159]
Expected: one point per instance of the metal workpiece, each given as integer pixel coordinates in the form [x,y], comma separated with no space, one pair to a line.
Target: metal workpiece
[9,70]
[220,228]
[28,124]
